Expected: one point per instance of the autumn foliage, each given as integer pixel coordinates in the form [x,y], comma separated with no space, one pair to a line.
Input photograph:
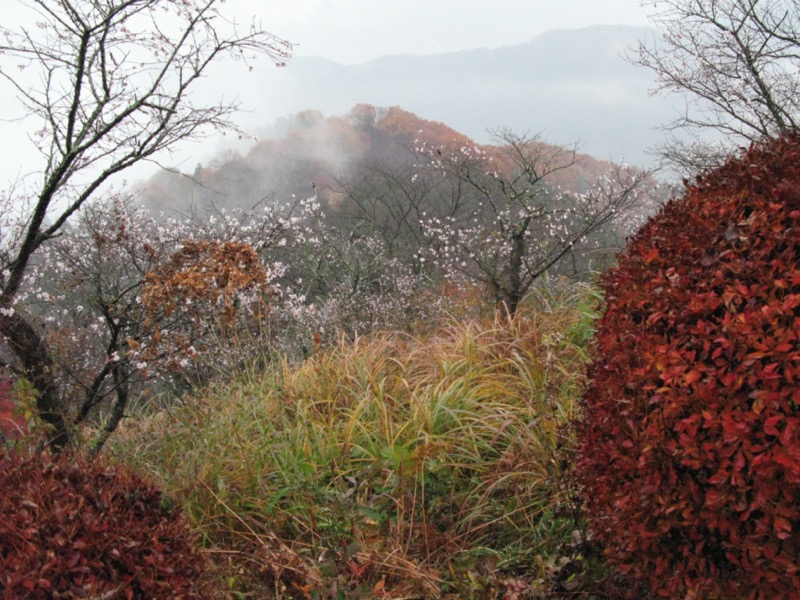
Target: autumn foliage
[205,284]
[74,528]
[690,454]
[204,271]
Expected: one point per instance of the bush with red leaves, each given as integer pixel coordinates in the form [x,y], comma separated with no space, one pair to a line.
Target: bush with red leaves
[690,444]
[76,528]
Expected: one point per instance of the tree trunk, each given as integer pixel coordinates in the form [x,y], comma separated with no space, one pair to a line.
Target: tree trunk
[39,368]
[514,286]
[117,411]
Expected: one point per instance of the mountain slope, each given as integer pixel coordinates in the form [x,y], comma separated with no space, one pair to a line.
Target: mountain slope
[321,155]
[573,86]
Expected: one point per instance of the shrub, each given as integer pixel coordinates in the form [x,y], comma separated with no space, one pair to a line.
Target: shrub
[690,448]
[70,527]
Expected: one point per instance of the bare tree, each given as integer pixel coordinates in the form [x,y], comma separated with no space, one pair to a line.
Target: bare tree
[109,82]
[738,62]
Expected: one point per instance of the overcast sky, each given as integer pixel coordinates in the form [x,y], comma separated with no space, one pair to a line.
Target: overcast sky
[354,31]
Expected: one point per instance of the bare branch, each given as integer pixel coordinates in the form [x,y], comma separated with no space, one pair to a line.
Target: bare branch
[737,60]
[110,83]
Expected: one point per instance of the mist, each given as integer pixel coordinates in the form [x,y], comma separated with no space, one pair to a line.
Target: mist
[570,86]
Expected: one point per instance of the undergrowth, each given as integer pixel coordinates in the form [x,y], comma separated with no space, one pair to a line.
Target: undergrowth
[391,466]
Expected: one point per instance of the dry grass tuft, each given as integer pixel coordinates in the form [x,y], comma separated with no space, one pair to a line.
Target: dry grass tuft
[394,466]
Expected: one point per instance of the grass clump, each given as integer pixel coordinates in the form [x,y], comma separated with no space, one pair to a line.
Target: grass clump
[393,465]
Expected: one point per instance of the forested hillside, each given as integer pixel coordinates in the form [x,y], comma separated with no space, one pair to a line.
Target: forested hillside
[381,186]
[573,85]
[310,153]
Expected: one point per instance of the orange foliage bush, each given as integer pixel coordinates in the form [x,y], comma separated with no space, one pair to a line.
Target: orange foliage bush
[204,271]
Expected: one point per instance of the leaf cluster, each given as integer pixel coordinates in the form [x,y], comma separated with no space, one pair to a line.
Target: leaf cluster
[204,271]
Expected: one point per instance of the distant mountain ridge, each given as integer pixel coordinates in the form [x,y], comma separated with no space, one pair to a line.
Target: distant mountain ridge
[573,86]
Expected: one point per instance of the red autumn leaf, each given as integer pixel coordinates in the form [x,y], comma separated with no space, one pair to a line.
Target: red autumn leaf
[692,376]
[770,425]
[357,570]
[650,255]
[783,528]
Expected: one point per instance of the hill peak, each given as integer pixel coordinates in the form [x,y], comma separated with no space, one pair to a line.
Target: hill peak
[571,85]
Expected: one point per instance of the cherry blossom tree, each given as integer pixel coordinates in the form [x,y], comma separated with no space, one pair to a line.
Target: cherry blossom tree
[390,198]
[736,61]
[356,284]
[109,83]
[128,300]
[519,225]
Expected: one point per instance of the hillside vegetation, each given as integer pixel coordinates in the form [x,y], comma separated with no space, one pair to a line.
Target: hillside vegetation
[393,466]
[351,356]
[308,153]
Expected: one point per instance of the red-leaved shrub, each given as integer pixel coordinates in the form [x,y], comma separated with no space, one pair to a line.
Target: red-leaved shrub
[690,445]
[76,528]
